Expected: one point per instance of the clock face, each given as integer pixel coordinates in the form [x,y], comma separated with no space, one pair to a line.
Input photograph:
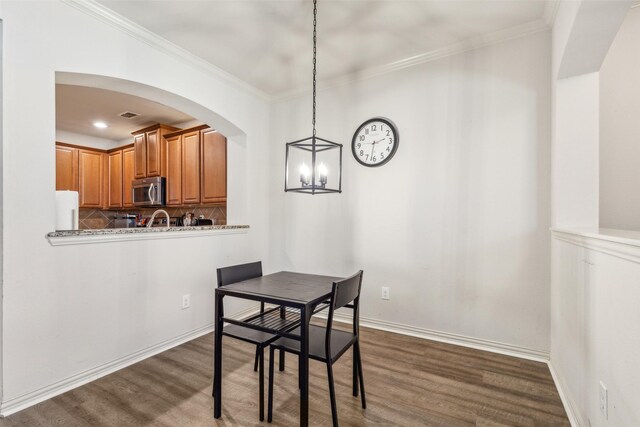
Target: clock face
[375,142]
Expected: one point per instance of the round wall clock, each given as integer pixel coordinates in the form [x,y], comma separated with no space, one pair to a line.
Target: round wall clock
[375,142]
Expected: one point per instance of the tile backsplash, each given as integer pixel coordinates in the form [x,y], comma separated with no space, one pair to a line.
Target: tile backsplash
[91,219]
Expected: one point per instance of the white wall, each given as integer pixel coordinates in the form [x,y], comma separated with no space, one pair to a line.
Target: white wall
[582,33]
[456,223]
[592,297]
[620,129]
[1,192]
[586,29]
[69,310]
[575,152]
[595,327]
[86,140]
[562,26]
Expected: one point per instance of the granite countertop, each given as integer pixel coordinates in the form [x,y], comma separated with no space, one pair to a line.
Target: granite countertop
[106,235]
[105,231]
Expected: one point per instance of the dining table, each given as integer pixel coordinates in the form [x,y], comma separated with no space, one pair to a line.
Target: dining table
[300,295]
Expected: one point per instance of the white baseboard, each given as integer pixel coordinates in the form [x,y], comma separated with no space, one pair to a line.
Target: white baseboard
[480,344]
[13,405]
[19,403]
[447,337]
[495,347]
[569,405]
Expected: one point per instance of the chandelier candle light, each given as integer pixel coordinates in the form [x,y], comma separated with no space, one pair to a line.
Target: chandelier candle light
[314,151]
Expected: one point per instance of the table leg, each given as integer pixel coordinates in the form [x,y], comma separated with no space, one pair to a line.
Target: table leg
[217,365]
[304,366]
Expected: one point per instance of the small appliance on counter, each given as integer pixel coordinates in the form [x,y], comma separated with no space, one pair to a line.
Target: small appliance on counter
[125,221]
[193,222]
[188,219]
[67,210]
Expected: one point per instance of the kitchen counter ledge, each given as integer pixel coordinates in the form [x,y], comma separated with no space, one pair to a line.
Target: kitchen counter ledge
[79,237]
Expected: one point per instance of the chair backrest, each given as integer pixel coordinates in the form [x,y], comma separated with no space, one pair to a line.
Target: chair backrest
[344,291]
[238,273]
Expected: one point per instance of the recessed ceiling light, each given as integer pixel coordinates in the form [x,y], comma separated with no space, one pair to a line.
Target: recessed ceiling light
[100,125]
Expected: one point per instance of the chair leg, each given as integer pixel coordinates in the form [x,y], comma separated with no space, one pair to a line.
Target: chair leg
[261,383]
[362,395]
[282,353]
[270,404]
[332,395]
[255,363]
[355,373]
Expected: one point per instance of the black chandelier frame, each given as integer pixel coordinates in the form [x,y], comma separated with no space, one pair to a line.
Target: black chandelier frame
[315,147]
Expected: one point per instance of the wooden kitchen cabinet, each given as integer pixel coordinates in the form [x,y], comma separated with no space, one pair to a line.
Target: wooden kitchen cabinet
[140,148]
[191,167]
[90,178]
[81,169]
[196,167]
[115,179]
[102,178]
[149,146]
[154,153]
[174,170]
[213,159]
[66,168]
[128,175]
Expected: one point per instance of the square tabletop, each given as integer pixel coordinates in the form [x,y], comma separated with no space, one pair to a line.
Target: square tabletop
[283,287]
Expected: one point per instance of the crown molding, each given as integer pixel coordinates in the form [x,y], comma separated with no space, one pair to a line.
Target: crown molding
[106,15]
[468,45]
[551,11]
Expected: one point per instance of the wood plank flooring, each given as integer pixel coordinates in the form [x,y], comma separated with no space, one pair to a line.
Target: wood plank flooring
[409,382]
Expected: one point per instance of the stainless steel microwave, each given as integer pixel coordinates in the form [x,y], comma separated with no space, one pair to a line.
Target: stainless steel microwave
[149,191]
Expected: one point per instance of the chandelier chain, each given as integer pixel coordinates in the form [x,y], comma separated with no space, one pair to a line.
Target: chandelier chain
[315,21]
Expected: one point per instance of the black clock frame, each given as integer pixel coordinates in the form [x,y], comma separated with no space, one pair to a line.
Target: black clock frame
[394,129]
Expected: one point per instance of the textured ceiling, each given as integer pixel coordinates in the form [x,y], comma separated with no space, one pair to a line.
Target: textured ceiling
[77,107]
[267,43]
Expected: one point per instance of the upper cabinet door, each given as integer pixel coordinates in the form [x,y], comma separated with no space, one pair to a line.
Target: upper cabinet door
[191,167]
[128,175]
[154,158]
[140,147]
[214,166]
[90,178]
[114,175]
[66,168]
[174,170]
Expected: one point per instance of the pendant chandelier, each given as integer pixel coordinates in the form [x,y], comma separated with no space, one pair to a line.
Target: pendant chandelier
[315,164]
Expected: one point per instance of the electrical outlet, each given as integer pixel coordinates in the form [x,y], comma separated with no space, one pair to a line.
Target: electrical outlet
[385,292]
[186,301]
[604,400]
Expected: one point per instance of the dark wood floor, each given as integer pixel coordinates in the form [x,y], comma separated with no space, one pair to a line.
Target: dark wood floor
[409,382]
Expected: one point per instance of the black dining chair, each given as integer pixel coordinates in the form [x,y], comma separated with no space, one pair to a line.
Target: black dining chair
[238,273]
[327,344]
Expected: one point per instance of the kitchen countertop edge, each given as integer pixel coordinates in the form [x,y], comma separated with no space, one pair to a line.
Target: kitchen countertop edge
[76,237]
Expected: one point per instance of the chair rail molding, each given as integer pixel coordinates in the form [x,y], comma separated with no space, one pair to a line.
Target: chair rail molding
[618,243]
